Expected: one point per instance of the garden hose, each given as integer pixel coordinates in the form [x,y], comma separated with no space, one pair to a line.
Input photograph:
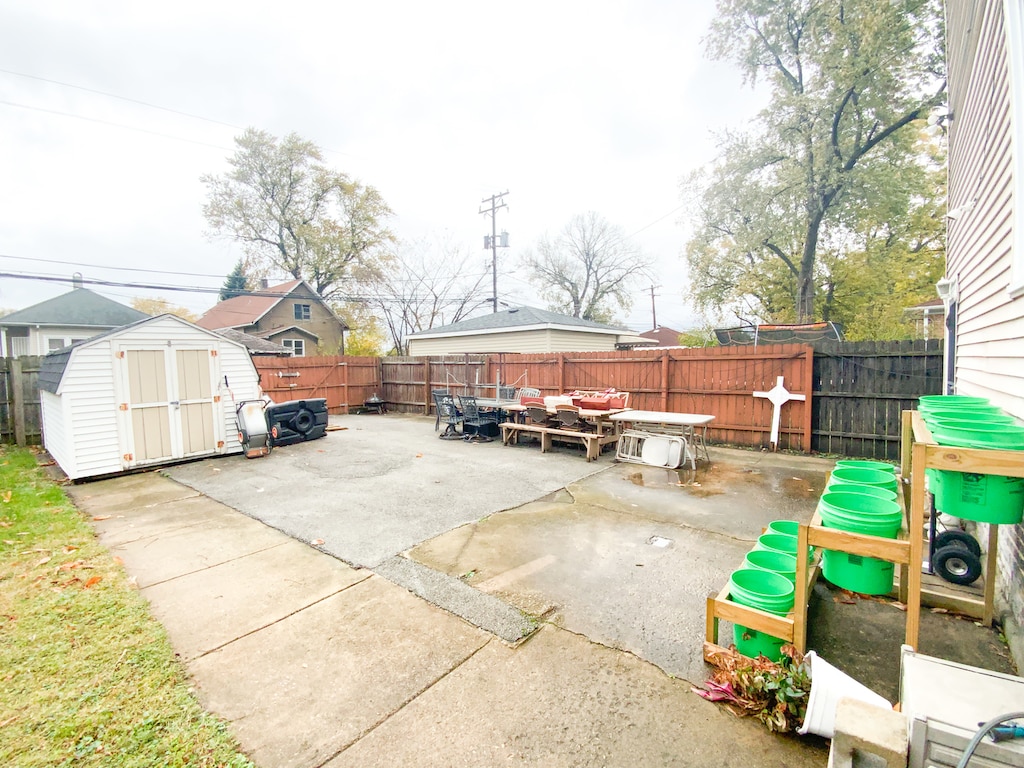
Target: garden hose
[995,721]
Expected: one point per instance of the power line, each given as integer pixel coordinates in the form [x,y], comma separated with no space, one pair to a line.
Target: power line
[122,98]
[352,297]
[116,125]
[100,266]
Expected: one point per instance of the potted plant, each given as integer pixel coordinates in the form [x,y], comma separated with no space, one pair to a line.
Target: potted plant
[775,693]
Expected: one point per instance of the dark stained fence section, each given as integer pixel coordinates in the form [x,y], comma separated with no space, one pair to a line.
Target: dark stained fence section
[20,412]
[861,389]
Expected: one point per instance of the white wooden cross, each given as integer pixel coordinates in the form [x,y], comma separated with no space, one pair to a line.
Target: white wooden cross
[779,396]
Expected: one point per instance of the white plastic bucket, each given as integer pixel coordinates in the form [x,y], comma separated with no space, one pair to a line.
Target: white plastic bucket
[828,686]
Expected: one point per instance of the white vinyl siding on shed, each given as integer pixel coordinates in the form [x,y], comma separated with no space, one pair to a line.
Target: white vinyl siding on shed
[87,424]
[526,342]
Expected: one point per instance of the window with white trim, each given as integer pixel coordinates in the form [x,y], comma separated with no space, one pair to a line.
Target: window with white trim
[53,343]
[303,311]
[297,346]
[1014,28]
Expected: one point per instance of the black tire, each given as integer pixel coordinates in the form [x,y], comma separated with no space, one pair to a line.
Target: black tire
[958,539]
[957,565]
[304,421]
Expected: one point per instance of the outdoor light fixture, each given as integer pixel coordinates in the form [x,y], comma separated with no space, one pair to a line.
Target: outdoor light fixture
[946,288]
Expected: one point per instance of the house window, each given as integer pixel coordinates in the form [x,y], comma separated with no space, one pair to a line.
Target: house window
[297,346]
[53,343]
[302,311]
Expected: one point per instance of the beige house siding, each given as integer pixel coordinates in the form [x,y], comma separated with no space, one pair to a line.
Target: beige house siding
[532,341]
[321,323]
[987,100]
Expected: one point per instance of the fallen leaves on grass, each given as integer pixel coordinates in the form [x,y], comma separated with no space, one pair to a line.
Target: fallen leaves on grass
[7,496]
[92,581]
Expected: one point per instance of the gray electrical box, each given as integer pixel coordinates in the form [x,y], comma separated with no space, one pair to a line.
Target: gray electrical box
[944,702]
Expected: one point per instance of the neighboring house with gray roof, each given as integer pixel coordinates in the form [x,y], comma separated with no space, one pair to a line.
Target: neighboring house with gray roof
[61,321]
[525,330]
[291,314]
[255,345]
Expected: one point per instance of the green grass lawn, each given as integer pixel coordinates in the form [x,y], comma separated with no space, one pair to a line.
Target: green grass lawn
[87,675]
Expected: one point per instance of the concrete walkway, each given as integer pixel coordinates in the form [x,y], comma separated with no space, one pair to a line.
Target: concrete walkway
[316,663]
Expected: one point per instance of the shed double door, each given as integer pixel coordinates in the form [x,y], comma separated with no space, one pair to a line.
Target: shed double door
[170,404]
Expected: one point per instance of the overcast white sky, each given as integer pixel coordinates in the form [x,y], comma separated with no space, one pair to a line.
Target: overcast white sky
[570,106]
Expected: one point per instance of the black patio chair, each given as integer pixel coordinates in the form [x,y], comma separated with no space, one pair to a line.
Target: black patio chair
[481,422]
[437,412]
[449,414]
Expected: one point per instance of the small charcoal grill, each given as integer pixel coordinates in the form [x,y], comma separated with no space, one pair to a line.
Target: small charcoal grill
[374,404]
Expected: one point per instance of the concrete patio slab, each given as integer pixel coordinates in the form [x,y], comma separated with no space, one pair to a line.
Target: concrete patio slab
[215,535]
[383,484]
[124,525]
[737,494]
[303,689]
[127,492]
[560,700]
[618,578]
[205,609]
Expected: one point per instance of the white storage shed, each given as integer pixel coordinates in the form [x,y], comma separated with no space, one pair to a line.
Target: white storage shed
[153,392]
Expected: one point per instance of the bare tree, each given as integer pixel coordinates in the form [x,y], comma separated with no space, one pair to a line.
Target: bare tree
[588,269]
[432,283]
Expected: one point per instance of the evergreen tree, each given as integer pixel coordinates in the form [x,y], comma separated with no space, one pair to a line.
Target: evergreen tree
[236,283]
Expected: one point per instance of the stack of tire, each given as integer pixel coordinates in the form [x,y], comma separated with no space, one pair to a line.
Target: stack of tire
[296,421]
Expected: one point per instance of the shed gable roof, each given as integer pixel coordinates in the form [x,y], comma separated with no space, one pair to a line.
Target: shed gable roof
[80,307]
[53,366]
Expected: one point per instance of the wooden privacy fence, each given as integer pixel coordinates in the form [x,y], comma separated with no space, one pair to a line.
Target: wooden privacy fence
[862,388]
[345,382]
[856,390]
[20,412]
[719,380]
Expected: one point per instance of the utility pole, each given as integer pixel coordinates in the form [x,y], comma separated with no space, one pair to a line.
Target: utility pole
[491,241]
[654,314]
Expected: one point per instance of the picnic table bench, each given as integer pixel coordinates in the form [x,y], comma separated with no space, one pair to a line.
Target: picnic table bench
[593,441]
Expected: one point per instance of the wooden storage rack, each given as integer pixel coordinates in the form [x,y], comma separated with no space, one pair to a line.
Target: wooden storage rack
[901,551]
[919,451]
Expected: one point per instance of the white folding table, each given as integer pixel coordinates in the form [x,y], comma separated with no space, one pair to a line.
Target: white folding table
[692,426]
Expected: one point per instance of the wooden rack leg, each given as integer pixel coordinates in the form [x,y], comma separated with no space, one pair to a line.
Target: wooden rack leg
[711,628]
[801,596]
[913,601]
[991,565]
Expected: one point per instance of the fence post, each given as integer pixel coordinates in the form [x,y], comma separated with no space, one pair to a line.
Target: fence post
[561,372]
[808,388]
[664,380]
[426,386]
[344,384]
[18,402]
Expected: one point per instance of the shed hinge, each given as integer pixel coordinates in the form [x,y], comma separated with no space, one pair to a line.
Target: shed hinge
[120,353]
[220,443]
[127,457]
[123,407]
[213,353]
[216,398]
